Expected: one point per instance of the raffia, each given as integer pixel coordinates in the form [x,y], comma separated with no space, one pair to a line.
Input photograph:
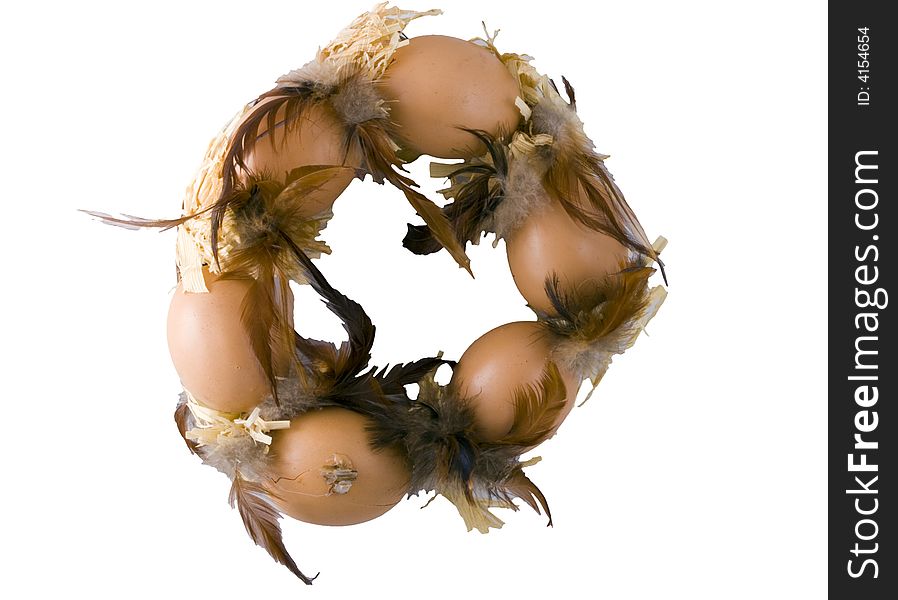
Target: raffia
[365,46]
[213,424]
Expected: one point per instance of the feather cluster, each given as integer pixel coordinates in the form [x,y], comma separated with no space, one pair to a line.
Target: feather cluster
[473,475]
[435,432]
[478,189]
[594,321]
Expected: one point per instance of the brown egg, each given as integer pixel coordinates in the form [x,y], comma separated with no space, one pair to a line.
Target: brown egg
[508,357]
[325,472]
[210,349]
[550,241]
[436,84]
[317,139]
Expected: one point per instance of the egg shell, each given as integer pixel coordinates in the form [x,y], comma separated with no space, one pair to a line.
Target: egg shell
[304,453]
[316,139]
[436,84]
[550,241]
[210,349]
[495,365]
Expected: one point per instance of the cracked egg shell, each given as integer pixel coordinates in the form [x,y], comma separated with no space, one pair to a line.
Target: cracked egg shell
[436,84]
[324,472]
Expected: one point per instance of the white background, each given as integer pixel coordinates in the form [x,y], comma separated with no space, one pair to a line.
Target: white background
[696,471]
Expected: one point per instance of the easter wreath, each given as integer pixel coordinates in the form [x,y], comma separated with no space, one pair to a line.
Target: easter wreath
[309,429]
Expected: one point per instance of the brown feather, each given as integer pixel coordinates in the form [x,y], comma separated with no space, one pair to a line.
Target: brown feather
[305,180]
[518,485]
[593,312]
[380,160]
[256,264]
[536,408]
[265,217]
[241,144]
[260,518]
[589,195]
[596,321]
[283,347]
[577,176]
[132,222]
[263,209]
[181,414]
[258,316]
[440,226]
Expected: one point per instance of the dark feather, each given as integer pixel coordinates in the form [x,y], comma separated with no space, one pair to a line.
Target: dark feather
[380,395]
[478,190]
[392,380]
[431,430]
[419,240]
[569,90]
[354,354]
[261,520]
[462,459]
[318,358]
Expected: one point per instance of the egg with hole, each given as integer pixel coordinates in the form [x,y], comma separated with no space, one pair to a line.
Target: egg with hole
[550,242]
[210,348]
[437,84]
[502,360]
[323,471]
[316,138]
